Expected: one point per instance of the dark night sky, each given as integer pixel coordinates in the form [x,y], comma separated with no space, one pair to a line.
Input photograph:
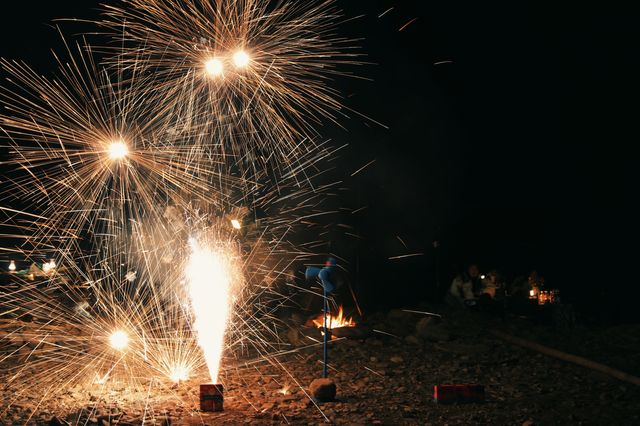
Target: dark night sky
[516,154]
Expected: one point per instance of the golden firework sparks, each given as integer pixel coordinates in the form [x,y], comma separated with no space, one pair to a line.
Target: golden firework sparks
[209,119]
[265,69]
[90,157]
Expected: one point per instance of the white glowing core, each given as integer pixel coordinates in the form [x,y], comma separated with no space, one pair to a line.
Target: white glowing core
[179,373]
[213,67]
[235,223]
[209,276]
[241,59]
[119,340]
[118,150]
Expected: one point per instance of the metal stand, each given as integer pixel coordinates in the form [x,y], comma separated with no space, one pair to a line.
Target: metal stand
[323,274]
[326,335]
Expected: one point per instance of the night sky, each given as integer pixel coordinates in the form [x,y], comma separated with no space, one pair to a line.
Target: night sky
[510,131]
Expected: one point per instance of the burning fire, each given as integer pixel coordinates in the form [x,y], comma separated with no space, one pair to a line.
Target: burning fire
[210,276]
[337,321]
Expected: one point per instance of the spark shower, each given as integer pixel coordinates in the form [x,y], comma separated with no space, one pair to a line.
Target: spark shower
[138,170]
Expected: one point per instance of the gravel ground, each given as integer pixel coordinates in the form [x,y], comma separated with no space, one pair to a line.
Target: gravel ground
[384,376]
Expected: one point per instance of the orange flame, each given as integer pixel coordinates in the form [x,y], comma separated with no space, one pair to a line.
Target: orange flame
[337,321]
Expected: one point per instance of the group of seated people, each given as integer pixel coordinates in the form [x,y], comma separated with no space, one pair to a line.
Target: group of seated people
[469,287]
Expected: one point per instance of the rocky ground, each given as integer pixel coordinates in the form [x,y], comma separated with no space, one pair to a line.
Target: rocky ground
[385,372]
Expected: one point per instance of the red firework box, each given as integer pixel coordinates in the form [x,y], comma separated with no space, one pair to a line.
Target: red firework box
[465,393]
[211,397]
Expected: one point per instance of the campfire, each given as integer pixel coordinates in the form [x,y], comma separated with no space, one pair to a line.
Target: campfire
[337,321]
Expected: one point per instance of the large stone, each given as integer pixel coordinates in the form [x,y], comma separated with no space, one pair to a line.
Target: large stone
[429,329]
[298,318]
[356,333]
[400,315]
[56,421]
[396,359]
[302,336]
[323,389]
[413,340]
[293,336]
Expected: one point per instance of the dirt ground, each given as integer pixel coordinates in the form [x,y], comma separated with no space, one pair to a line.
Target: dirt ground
[384,376]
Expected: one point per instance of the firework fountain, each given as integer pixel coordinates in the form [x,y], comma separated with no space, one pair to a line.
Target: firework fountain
[210,273]
[143,175]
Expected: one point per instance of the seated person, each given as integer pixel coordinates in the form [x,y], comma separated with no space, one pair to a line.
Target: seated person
[490,284]
[462,286]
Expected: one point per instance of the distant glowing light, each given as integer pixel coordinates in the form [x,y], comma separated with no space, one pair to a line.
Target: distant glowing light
[209,276]
[213,67]
[119,340]
[52,264]
[235,223]
[482,277]
[241,59]
[12,266]
[118,150]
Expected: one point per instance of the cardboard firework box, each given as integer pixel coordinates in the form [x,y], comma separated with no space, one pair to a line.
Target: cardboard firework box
[211,397]
[463,393]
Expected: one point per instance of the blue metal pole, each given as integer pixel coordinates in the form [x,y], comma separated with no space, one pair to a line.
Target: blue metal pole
[326,334]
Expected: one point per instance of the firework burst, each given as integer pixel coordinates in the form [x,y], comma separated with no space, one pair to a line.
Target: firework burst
[132,311]
[259,69]
[90,153]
